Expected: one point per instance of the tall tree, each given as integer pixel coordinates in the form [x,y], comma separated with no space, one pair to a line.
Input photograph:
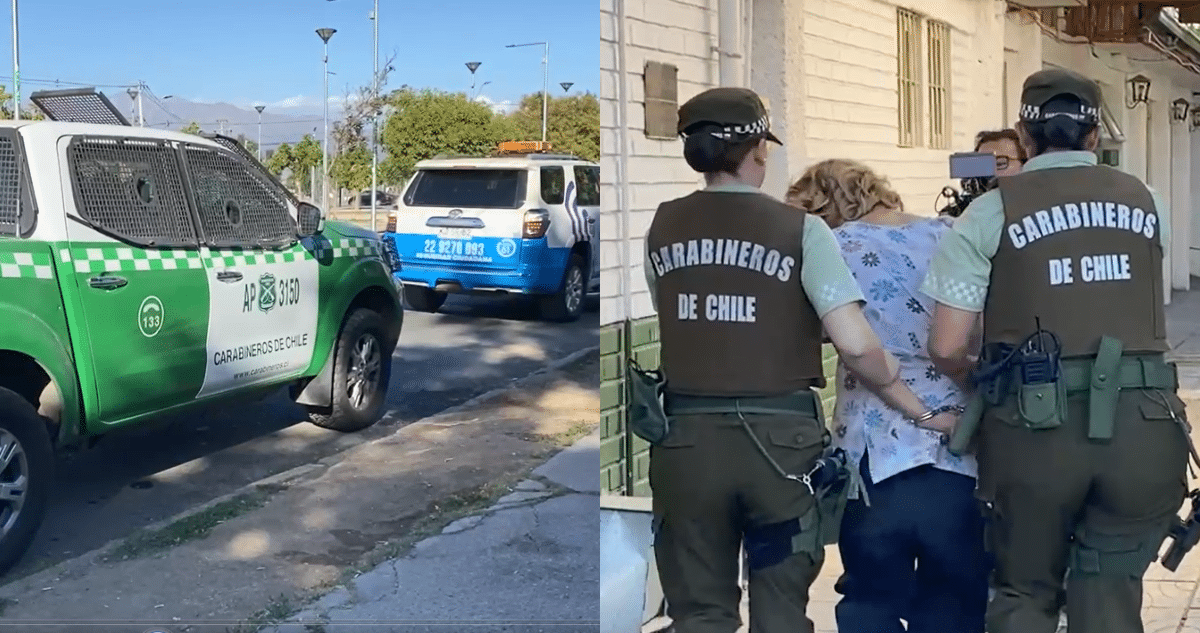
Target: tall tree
[280,159]
[425,123]
[351,169]
[306,156]
[350,135]
[250,145]
[32,113]
[572,123]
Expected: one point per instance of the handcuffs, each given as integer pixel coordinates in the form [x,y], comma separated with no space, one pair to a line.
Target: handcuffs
[933,413]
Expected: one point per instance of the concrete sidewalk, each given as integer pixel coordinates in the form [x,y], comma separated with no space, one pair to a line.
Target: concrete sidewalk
[529,563]
[1171,603]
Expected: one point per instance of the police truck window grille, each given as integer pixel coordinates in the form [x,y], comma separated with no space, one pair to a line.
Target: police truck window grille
[939,85]
[908,60]
[131,189]
[10,188]
[236,208]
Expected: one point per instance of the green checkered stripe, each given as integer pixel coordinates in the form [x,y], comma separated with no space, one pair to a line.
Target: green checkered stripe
[356,247]
[99,259]
[233,257]
[25,266]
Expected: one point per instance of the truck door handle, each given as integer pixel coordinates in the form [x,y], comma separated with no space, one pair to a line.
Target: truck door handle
[107,282]
[229,276]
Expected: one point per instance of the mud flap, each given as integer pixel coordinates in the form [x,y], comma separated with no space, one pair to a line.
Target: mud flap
[318,390]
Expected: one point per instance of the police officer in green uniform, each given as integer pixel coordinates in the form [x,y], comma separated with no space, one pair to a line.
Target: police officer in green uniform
[1082,448]
[744,285]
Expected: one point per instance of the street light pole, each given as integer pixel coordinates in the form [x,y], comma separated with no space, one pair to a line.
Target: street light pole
[473,66]
[545,79]
[375,115]
[325,34]
[16,66]
[260,108]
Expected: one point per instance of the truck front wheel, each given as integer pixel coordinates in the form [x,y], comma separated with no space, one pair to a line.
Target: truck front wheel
[362,368]
[26,476]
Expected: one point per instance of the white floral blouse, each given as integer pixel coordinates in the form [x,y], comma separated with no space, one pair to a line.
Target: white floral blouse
[889,263]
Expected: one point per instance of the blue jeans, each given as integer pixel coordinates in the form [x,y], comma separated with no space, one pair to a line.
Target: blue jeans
[917,554]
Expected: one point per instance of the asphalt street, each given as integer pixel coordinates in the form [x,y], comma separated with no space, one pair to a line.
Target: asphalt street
[135,478]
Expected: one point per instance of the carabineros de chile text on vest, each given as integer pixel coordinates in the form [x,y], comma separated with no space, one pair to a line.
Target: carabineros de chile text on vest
[723,252]
[1088,268]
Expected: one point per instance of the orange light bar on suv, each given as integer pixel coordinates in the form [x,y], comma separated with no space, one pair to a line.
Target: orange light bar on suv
[523,147]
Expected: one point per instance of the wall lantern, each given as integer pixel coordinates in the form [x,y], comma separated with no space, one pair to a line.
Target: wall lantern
[1139,91]
[1179,110]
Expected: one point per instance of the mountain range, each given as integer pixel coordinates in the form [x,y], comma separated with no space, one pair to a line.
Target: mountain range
[176,112]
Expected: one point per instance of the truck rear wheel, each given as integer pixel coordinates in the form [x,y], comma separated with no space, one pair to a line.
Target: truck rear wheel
[423,299]
[362,368]
[26,476]
[566,304]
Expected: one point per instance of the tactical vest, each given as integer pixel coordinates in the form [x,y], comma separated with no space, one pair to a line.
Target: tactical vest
[733,316]
[1080,252]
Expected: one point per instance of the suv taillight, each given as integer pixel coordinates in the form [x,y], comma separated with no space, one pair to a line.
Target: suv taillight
[391,223]
[536,223]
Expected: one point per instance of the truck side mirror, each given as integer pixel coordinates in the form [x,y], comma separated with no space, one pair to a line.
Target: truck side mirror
[310,218]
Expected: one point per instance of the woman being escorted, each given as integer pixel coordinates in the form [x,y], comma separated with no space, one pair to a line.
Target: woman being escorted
[913,549]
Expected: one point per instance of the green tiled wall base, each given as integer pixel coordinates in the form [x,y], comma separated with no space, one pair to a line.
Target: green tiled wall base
[625,458]
[613,453]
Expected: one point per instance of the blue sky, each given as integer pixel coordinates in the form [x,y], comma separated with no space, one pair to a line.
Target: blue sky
[267,51]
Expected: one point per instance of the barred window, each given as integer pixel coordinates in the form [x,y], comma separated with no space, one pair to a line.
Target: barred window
[10,187]
[939,85]
[131,189]
[236,206]
[908,56]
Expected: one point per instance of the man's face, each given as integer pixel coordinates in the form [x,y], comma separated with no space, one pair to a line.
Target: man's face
[1007,161]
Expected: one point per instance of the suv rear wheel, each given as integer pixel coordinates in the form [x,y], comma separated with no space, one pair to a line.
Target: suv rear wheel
[26,476]
[567,304]
[423,299]
[362,368]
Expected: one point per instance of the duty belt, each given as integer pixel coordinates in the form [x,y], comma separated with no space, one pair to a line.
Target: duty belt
[801,402]
[1132,372]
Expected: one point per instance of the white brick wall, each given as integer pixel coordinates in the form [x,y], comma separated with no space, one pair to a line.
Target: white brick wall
[851,101]
[679,32]
[844,102]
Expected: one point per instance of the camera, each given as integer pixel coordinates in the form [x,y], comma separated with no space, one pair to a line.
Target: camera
[976,172]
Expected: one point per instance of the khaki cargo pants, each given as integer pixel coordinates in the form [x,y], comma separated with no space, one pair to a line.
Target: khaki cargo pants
[712,490]
[1101,508]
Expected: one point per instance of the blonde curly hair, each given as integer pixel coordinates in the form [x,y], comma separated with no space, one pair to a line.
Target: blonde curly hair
[840,190]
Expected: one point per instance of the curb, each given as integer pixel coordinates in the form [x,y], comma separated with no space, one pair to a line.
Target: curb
[309,470]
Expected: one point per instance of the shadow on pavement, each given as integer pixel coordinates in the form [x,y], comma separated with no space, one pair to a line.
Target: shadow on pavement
[139,476]
[309,534]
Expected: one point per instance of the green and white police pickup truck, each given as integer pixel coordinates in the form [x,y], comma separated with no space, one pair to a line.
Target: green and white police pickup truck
[143,272]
